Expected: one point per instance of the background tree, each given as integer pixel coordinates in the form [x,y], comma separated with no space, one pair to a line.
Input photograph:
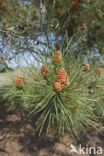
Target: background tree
[24,20]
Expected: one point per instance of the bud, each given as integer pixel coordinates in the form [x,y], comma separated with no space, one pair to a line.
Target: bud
[74,5]
[57,57]
[44,70]
[20,82]
[86,67]
[59,12]
[83,26]
[102,49]
[99,71]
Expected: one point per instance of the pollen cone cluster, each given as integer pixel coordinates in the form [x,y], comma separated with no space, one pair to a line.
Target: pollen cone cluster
[61,80]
